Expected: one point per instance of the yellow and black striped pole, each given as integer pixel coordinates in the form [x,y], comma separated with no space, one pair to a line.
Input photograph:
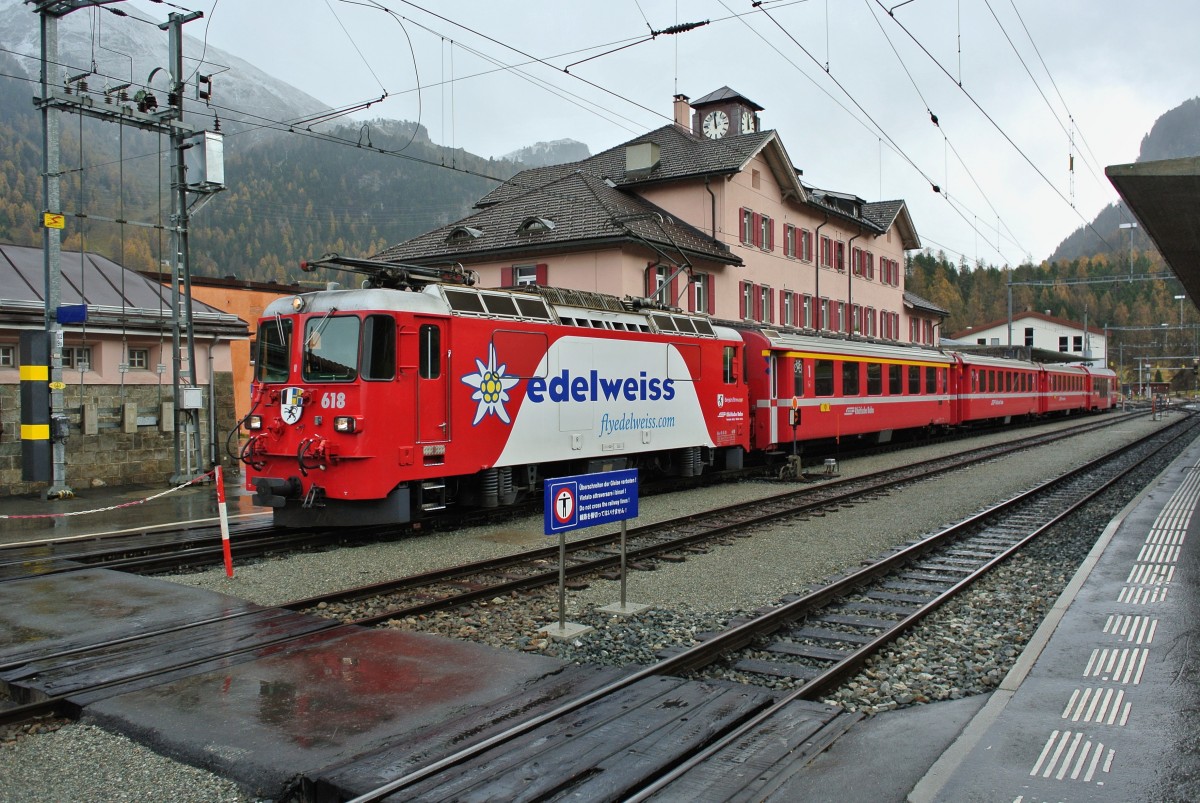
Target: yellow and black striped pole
[36,463]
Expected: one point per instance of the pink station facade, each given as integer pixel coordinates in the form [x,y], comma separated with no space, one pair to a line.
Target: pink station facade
[708,214]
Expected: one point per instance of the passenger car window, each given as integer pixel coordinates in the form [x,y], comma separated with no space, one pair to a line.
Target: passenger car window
[823,377]
[850,378]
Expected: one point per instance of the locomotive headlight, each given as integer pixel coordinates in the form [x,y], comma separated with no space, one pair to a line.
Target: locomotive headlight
[343,423]
[254,422]
[297,303]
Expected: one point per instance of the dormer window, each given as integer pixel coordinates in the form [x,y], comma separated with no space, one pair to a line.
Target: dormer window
[535,224]
[462,234]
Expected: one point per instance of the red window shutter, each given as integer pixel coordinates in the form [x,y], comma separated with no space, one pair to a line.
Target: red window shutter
[708,294]
[542,273]
[770,234]
[651,280]
[674,291]
[506,277]
[756,229]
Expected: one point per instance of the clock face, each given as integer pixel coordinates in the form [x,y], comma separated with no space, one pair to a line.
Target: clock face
[716,125]
[747,122]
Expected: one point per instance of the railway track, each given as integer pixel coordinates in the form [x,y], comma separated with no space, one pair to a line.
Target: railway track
[682,663]
[166,550]
[673,540]
[819,639]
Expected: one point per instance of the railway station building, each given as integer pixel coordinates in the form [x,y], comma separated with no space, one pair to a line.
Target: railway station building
[119,395]
[1040,331]
[709,214]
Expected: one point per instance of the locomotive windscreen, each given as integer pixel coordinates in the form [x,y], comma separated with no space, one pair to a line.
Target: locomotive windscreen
[274,345]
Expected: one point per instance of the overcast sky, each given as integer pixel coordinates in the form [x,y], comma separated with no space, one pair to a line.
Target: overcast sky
[1102,72]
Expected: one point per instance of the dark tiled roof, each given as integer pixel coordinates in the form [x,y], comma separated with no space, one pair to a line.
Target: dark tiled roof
[525,181]
[725,93]
[586,212]
[110,291]
[894,214]
[882,213]
[682,154]
[583,218]
[916,302]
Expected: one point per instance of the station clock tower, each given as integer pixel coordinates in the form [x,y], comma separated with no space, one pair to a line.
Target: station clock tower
[724,113]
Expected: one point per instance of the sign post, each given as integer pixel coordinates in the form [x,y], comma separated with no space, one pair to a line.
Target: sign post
[585,500]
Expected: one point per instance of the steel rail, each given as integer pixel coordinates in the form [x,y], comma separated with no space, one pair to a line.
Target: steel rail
[739,517]
[738,636]
[856,659]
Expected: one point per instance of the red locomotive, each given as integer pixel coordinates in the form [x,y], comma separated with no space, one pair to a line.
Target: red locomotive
[387,403]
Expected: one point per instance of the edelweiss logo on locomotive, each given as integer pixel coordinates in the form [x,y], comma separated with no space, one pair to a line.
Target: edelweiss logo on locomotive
[594,387]
[492,383]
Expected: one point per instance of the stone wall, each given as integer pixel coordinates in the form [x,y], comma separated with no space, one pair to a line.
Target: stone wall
[119,435]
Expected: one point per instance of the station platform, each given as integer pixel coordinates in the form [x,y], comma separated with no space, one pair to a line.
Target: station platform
[1103,704]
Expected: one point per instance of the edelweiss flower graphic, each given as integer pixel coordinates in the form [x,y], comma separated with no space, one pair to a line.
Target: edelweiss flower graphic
[491,387]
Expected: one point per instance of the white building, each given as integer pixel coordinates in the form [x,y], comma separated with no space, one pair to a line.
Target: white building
[1039,331]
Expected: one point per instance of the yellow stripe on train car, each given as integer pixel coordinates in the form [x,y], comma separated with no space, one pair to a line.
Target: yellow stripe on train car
[833,355]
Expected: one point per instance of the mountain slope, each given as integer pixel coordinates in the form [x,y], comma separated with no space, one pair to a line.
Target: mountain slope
[294,191]
[1174,135]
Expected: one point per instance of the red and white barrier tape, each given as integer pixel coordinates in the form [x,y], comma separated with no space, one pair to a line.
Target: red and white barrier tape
[193,481]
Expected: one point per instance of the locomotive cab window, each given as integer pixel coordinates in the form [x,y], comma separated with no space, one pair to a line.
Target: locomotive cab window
[274,349]
[331,348]
[379,347]
[729,365]
[430,339]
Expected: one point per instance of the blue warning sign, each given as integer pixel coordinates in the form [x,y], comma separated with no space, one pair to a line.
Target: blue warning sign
[585,500]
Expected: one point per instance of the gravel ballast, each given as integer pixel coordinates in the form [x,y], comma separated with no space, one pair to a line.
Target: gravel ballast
[691,597]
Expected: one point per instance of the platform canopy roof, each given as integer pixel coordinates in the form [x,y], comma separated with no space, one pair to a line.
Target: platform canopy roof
[116,297]
[1165,197]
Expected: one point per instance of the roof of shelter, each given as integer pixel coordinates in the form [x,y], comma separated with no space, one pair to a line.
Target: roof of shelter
[1164,195]
[115,296]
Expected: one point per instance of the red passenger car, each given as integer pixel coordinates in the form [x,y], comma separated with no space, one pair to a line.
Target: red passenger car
[842,388]
[990,388]
[1063,389]
[1102,389]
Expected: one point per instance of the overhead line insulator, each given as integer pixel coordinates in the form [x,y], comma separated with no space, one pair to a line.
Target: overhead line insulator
[683,27]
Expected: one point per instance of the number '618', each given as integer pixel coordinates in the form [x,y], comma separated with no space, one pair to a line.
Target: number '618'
[333,401]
